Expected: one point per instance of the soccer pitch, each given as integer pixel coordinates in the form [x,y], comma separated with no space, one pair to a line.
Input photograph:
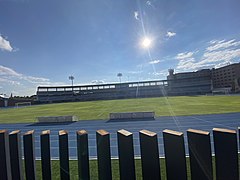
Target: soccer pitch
[162,106]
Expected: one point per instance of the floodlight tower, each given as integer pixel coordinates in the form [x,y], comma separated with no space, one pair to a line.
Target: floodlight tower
[119,75]
[71,78]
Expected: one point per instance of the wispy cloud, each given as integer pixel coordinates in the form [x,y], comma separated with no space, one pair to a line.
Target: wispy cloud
[8,73]
[186,60]
[162,73]
[14,81]
[223,44]
[35,80]
[136,15]
[171,34]
[5,44]
[6,80]
[222,55]
[218,54]
[149,3]
[225,63]
[98,81]
[154,62]
[221,52]
[134,72]
[184,55]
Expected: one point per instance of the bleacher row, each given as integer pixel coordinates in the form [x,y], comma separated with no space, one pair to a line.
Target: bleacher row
[187,86]
[100,94]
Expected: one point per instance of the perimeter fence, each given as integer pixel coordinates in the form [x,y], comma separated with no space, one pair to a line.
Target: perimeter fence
[199,145]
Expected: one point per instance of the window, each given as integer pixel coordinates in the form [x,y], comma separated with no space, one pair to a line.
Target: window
[60,89]
[76,88]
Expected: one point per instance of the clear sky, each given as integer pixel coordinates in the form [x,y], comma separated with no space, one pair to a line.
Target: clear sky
[44,42]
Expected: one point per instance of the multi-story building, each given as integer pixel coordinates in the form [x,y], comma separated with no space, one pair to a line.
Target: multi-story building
[189,83]
[227,77]
[205,80]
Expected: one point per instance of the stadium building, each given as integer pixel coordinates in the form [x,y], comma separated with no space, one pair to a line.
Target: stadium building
[102,92]
[3,100]
[227,77]
[188,83]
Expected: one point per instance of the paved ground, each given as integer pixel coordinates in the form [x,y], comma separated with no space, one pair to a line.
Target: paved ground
[179,123]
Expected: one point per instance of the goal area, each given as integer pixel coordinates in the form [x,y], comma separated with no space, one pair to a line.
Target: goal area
[22,104]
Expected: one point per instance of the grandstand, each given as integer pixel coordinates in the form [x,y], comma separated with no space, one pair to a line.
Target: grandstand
[200,82]
[189,86]
[101,92]
[186,86]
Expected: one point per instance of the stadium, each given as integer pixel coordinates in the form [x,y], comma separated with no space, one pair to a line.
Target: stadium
[174,113]
[205,81]
[182,117]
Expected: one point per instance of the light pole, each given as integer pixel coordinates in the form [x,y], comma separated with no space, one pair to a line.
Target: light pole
[119,75]
[71,78]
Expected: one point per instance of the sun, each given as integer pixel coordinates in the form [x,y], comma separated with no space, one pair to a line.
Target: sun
[146,42]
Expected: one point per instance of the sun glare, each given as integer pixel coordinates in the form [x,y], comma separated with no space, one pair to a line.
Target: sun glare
[146,42]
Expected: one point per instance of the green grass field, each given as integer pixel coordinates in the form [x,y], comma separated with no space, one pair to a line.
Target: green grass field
[184,105]
[94,169]
[162,106]
[115,169]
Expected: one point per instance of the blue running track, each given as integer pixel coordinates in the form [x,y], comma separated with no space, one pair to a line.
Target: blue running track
[178,123]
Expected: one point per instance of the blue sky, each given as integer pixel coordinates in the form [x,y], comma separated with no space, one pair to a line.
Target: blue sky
[44,42]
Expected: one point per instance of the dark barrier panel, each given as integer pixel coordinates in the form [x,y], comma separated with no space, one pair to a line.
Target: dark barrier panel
[225,145]
[126,155]
[29,155]
[16,155]
[64,155]
[45,155]
[104,155]
[174,155]
[226,154]
[83,157]
[200,154]
[5,166]
[149,155]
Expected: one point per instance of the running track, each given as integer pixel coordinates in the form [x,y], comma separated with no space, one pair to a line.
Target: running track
[178,123]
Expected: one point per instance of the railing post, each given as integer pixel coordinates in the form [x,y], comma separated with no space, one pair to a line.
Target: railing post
[175,155]
[16,155]
[29,155]
[64,155]
[83,155]
[149,155]
[104,155]
[45,155]
[200,154]
[5,165]
[226,154]
[126,155]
